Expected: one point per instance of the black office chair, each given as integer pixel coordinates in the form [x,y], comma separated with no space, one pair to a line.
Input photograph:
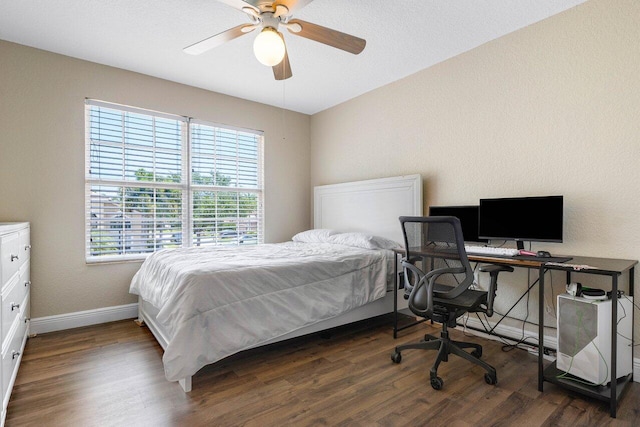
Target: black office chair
[441,289]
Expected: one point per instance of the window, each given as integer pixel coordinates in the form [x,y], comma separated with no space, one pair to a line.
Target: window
[157,181]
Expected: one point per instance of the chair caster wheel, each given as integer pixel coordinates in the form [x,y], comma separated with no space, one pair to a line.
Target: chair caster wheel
[491,379]
[437,383]
[396,357]
[477,353]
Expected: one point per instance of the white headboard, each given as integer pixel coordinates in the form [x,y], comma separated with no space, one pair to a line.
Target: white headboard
[371,206]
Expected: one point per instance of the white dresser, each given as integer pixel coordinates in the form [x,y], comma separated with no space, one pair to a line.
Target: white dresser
[15,251]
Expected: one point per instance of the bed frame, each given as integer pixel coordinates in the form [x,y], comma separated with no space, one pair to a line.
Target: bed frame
[371,206]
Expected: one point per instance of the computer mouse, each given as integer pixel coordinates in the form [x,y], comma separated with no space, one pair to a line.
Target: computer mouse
[543,254]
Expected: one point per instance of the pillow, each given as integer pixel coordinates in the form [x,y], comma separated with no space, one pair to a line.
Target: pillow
[318,235]
[362,240]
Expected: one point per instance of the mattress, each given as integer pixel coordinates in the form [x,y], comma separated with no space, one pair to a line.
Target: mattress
[217,301]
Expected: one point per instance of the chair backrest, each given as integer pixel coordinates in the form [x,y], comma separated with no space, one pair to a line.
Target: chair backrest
[439,243]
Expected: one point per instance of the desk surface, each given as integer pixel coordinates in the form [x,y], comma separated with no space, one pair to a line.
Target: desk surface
[600,265]
[577,264]
[519,261]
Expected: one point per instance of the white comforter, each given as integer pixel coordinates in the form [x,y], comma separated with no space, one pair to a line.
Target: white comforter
[217,301]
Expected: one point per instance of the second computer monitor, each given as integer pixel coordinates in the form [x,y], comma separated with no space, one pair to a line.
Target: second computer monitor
[468,216]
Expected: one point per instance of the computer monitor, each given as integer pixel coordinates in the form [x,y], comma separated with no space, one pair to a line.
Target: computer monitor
[536,219]
[468,216]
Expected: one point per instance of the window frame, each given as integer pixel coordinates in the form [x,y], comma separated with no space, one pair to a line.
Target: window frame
[186,186]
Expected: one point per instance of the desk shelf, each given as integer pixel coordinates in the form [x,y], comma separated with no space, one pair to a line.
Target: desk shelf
[600,392]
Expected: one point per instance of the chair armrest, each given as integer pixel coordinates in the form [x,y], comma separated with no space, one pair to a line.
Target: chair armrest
[429,281]
[411,276]
[493,270]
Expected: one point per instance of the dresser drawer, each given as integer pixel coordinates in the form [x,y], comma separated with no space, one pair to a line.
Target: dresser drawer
[25,276]
[10,360]
[25,312]
[9,256]
[24,245]
[12,297]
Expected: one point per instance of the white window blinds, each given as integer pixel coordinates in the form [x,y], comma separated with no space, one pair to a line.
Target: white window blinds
[226,185]
[157,181]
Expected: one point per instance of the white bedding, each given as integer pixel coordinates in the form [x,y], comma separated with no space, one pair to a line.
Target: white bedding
[217,301]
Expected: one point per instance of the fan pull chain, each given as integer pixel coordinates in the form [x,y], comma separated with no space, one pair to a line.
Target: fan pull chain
[283,111]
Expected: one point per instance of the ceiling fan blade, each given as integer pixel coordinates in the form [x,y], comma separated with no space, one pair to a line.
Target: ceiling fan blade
[215,41]
[282,71]
[328,36]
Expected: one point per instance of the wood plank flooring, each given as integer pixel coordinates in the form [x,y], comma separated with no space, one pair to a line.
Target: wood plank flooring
[112,375]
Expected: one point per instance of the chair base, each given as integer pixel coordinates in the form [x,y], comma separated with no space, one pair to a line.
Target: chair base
[445,347]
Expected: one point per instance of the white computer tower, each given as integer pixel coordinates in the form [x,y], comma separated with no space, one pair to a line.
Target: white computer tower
[584,338]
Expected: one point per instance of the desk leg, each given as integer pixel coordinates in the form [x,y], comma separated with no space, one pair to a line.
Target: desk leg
[614,345]
[540,328]
[395,296]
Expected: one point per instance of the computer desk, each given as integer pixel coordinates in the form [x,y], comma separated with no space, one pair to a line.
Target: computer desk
[614,268]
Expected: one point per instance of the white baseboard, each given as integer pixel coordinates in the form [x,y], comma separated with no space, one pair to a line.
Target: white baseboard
[513,332]
[516,333]
[41,325]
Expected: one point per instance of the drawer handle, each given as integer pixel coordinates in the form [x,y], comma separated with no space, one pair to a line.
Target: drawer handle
[27,283]
[14,354]
[14,306]
[14,257]
[27,247]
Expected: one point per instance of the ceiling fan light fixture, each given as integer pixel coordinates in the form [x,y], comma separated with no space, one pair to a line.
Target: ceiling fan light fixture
[269,47]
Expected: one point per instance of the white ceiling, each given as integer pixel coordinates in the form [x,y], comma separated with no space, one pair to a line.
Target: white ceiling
[147,36]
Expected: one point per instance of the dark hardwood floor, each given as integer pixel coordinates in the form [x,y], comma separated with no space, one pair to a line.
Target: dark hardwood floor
[112,375]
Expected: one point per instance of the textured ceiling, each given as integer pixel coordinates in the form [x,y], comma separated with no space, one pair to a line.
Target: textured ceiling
[403,37]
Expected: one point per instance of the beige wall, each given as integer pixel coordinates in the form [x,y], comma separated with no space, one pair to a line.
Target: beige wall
[551,109]
[42,165]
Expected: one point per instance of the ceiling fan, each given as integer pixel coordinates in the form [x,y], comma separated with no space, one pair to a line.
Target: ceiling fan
[269,46]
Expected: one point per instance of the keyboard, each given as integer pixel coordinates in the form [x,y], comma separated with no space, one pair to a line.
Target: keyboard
[488,250]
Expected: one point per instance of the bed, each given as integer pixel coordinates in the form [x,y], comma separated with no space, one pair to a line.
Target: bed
[206,303]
